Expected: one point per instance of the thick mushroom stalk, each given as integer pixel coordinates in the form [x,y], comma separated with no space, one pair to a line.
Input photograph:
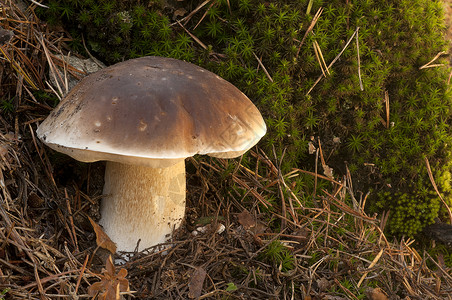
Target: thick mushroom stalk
[142,203]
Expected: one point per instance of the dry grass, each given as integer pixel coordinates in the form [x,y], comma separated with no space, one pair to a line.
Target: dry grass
[48,248]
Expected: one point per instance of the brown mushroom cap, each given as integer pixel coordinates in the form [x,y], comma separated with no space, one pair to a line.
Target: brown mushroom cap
[152,108]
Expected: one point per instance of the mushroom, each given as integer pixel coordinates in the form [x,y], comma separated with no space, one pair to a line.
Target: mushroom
[144,116]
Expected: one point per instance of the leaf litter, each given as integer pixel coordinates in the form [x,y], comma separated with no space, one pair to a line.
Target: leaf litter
[49,205]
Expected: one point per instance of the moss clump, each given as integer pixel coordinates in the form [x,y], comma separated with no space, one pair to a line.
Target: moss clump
[278,254]
[395,38]
[411,211]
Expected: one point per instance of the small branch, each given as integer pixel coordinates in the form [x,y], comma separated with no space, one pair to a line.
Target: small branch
[429,64]
[192,36]
[374,262]
[334,60]
[387,108]
[311,26]
[318,58]
[283,201]
[432,180]
[188,17]
[39,4]
[321,60]
[359,61]
[263,67]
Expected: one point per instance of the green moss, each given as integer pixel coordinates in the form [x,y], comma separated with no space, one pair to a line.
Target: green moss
[395,38]
[277,253]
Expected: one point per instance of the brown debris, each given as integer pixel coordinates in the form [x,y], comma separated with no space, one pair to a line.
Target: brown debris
[111,284]
[376,294]
[47,201]
[196,283]
[102,239]
[246,219]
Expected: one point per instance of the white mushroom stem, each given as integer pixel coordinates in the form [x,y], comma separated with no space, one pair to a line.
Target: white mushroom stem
[143,203]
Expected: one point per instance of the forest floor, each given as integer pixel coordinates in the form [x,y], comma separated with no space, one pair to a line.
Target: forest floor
[49,248]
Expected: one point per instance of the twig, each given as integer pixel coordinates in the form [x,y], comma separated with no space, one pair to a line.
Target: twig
[316,175]
[347,291]
[283,202]
[188,17]
[192,36]
[18,69]
[374,262]
[254,254]
[39,4]
[38,282]
[334,60]
[50,278]
[432,180]
[319,176]
[387,108]
[308,9]
[359,61]
[81,274]
[311,26]
[429,64]
[316,52]
[56,75]
[71,219]
[347,209]
[312,270]
[96,61]
[263,67]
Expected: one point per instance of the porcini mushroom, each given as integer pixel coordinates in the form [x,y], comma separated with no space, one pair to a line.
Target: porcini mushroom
[144,117]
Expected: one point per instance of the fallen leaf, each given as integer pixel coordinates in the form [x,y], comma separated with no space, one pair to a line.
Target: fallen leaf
[5,36]
[180,12]
[323,284]
[329,297]
[311,148]
[102,239]
[301,235]
[111,284]
[34,200]
[95,288]
[231,287]
[260,228]
[376,294]
[196,283]
[246,219]
[328,171]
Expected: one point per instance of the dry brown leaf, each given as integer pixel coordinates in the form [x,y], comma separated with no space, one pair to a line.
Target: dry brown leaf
[196,283]
[323,284]
[180,12]
[102,239]
[328,171]
[260,228]
[111,284]
[246,219]
[376,294]
[95,288]
[311,148]
[5,36]
[34,200]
